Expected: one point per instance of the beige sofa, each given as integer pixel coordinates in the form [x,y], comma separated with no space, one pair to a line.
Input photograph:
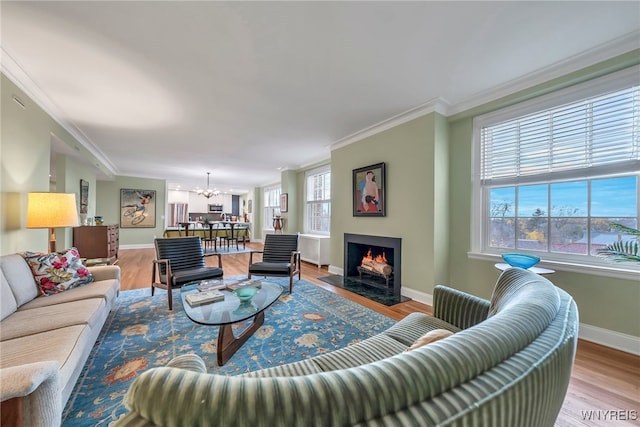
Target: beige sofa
[45,341]
[507,364]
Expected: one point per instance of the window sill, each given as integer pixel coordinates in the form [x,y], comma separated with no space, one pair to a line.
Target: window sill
[618,271]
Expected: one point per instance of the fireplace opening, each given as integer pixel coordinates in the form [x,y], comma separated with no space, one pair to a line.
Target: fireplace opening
[377,266]
[373,261]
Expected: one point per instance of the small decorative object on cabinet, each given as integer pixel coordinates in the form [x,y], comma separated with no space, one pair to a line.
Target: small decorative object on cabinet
[99,241]
[278,224]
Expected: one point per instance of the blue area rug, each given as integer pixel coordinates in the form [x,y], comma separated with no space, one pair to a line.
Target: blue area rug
[142,333]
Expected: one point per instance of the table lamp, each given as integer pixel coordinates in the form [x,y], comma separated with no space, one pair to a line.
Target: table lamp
[51,210]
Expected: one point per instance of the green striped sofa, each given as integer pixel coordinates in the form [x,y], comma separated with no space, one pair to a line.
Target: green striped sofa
[507,364]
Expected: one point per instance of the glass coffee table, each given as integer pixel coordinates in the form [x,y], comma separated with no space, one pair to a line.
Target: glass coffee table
[225,313]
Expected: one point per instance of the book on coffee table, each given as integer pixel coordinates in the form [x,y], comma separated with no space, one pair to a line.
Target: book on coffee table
[210,285]
[232,286]
[204,297]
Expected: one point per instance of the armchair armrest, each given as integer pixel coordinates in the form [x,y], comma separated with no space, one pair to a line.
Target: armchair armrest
[295,258]
[251,255]
[458,308]
[156,274]
[33,388]
[219,258]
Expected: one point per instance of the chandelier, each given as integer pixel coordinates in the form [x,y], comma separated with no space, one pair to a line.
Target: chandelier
[208,193]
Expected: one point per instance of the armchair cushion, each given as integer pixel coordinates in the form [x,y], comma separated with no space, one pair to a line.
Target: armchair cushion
[185,276]
[269,268]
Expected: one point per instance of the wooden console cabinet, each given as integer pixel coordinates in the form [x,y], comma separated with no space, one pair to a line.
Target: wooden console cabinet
[97,241]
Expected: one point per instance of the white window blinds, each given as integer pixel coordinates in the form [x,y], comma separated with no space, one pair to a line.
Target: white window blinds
[319,186]
[601,134]
[318,201]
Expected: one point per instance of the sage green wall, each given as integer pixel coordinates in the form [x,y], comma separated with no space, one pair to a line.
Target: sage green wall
[289,185]
[258,213]
[69,172]
[25,151]
[604,302]
[25,167]
[416,158]
[108,206]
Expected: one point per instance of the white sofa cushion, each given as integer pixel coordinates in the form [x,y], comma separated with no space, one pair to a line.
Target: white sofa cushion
[104,289]
[43,319]
[19,277]
[65,346]
[7,301]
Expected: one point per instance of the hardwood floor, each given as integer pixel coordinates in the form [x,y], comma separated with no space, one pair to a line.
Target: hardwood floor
[605,383]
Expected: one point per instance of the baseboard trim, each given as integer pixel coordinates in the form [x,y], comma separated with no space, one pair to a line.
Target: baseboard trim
[618,340]
[418,296]
[138,246]
[606,337]
[335,270]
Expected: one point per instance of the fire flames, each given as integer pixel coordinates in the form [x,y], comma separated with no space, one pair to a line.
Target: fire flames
[377,264]
[368,258]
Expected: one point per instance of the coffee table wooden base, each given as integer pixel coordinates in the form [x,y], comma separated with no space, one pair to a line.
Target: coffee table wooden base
[228,344]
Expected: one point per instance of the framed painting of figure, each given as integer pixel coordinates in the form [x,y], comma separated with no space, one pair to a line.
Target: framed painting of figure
[369,191]
[137,208]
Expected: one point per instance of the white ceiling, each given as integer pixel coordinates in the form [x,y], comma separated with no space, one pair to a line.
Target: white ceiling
[174,89]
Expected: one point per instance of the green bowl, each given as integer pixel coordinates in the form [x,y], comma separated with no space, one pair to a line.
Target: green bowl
[245,294]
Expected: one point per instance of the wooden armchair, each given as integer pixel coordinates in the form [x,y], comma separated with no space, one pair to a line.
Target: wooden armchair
[280,258]
[181,260]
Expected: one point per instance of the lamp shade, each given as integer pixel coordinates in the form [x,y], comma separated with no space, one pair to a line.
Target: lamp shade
[51,210]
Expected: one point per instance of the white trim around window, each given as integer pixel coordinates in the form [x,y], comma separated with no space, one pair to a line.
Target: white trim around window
[527,125]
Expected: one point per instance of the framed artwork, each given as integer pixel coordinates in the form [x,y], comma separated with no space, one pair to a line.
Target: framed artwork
[284,202]
[137,208]
[250,206]
[84,196]
[369,191]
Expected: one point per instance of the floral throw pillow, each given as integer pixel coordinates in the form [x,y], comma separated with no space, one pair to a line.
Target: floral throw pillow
[57,272]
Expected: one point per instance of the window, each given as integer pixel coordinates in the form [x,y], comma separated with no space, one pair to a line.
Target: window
[271,205]
[553,173]
[318,201]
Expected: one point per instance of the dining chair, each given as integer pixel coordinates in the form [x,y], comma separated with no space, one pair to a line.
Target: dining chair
[210,233]
[185,226]
[233,235]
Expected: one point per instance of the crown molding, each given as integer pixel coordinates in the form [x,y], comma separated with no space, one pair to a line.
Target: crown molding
[569,65]
[20,78]
[319,161]
[593,56]
[437,105]
[600,53]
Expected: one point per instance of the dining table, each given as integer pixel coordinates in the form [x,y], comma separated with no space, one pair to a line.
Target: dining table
[212,231]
